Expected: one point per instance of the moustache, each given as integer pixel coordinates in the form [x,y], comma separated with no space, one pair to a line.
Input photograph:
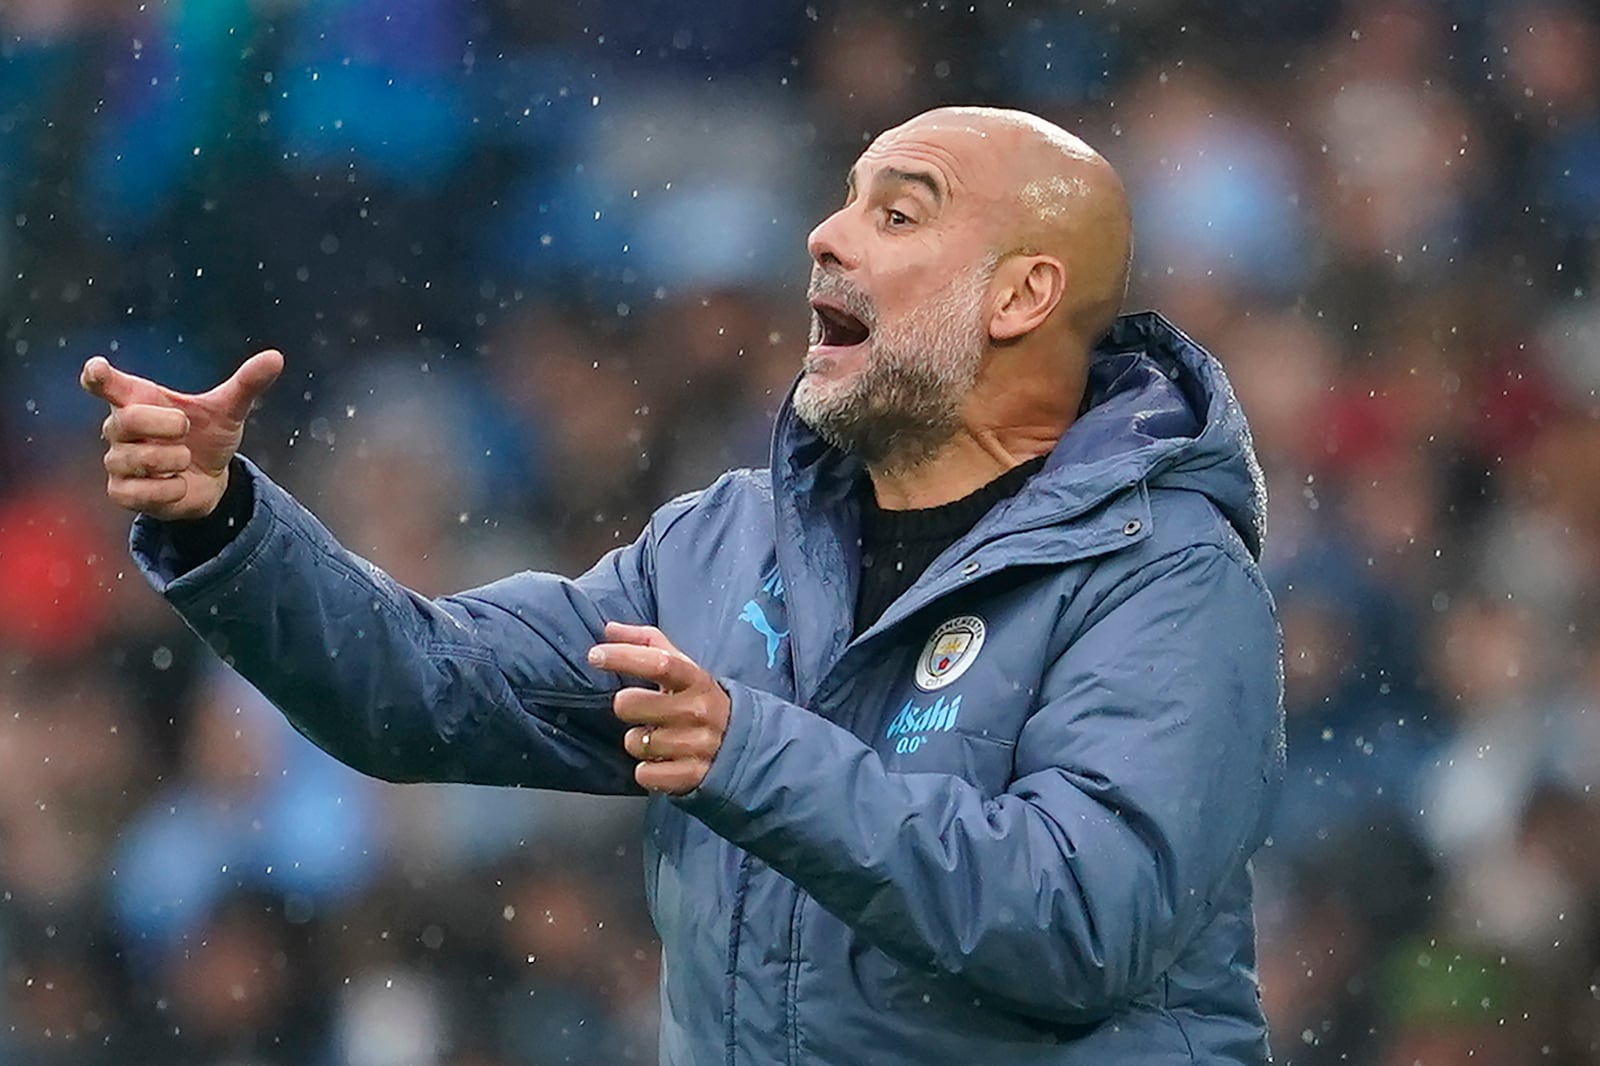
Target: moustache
[838,290]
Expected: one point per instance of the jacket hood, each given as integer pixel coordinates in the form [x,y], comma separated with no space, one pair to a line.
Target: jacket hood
[1158,409]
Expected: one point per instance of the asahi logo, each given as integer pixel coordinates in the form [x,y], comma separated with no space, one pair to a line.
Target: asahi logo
[911,726]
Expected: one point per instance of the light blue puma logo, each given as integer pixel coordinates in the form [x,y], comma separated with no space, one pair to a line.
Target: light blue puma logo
[757,618]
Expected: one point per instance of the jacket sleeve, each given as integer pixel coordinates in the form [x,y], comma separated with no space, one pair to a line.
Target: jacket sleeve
[1142,786]
[488,686]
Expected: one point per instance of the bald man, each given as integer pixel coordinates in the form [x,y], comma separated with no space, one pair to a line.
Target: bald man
[959,724]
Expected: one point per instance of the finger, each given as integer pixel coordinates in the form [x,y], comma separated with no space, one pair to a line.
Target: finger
[653,706]
[675,777]
[119,388]
[660,744]
[647,636]
[152,495]
[253,378]
[147,460]
[639,742]
[144,422]
[670,742]
[672,671]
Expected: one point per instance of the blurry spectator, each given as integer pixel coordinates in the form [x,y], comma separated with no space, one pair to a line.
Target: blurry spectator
[1400,158]
[1492,681]
[872,71]
[552,962]
[1351,898]
[1285,370]
[239,993]
[259,808]
[70,763]
[1216,193]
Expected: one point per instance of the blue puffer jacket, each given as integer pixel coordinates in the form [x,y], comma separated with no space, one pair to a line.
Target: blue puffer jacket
[1009,823]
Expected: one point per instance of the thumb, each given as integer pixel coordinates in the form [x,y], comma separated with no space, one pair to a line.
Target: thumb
[255,375]
[119,388]
[646,636]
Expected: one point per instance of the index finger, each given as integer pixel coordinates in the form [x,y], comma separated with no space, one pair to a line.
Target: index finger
[117,387]
[673,672]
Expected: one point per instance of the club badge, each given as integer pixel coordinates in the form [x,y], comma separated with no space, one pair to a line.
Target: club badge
[949,652]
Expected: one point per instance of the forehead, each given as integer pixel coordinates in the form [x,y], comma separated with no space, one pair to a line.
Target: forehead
[964,157]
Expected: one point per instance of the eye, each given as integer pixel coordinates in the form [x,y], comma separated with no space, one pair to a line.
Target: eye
[897,218]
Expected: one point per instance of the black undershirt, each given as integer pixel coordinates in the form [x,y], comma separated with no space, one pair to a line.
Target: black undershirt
[897,546]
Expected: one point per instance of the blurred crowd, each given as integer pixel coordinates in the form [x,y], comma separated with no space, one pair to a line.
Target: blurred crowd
[538,266]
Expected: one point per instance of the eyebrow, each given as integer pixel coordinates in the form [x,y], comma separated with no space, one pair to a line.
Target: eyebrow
[903,177]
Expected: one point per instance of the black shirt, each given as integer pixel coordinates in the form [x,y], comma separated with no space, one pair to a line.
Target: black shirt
[897,546]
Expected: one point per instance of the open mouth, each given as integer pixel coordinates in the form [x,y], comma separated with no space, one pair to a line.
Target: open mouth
[837,328]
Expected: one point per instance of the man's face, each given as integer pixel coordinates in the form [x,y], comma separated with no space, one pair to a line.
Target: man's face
[898,287]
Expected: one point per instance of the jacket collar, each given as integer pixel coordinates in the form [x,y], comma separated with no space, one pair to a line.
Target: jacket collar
[1158,411]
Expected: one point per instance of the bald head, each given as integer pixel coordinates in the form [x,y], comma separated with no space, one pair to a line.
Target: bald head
[1048,193]
[977,258]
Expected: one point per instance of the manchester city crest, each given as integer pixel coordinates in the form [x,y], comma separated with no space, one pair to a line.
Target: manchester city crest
[949,652]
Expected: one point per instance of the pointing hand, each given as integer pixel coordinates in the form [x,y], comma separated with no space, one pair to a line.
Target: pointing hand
[168,451]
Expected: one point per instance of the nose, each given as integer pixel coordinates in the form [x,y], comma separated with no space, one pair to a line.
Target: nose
[829,245]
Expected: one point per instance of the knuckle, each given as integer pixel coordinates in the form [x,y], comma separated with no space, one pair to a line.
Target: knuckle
[629,703]
[123,495]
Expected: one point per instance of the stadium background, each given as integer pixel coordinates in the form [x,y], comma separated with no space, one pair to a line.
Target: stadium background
[538,265]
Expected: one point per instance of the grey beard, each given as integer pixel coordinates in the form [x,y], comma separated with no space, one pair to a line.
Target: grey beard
[906,403]
[896,417]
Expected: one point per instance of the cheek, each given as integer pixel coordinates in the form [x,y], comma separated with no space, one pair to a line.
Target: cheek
[902,294]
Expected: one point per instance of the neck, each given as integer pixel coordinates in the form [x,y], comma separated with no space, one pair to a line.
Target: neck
[966,463]
[1025,398]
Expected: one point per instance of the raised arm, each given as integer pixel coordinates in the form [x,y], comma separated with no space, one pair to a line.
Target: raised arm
[488,686]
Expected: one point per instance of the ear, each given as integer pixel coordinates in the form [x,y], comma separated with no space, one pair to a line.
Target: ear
[1027,288]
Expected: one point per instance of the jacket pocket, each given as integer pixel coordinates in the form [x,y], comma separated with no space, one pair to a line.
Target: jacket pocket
[988,761]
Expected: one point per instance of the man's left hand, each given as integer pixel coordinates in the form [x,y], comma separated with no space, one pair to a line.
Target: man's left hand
[678,726]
